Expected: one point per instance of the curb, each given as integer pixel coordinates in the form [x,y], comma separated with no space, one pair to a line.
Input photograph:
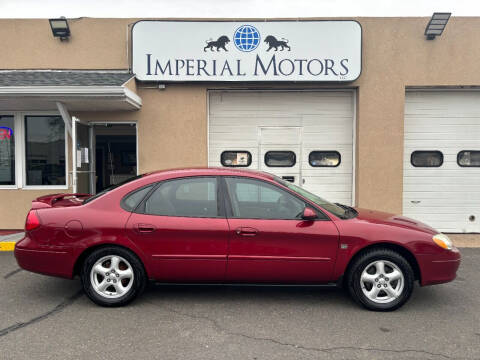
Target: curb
[7,245]
[7,242]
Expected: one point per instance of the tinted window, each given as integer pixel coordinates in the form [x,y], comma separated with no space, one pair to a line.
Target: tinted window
[426,158]
[45,150]
[131,201]
[469,158]
[192,197]
[280,158]
[253,199]
[324,158]
[7,151]
[237,158]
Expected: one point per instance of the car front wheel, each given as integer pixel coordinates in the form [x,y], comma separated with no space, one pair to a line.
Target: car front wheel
[113,276]
[381,280]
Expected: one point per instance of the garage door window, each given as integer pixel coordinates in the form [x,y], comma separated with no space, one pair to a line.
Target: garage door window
[280,159]
[324,158]
[469,158]
[236,158]
[429,158]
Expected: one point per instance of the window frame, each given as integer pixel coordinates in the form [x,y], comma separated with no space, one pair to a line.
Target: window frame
[237,151]
[24,151]
[20,152]
[280,166]
[426,151]
[321,216]
[325,151]
[17,144]
[140,209]
[466,166]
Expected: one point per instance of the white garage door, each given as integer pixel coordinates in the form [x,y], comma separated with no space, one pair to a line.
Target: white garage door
[304,137]
[442,138]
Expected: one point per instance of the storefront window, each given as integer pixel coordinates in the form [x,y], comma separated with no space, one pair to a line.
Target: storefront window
[7,150]
[45,150]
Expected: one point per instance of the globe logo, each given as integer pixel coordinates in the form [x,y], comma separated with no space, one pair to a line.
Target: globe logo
[246,38]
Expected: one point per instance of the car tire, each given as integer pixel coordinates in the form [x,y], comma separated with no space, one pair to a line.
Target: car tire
[380,280]
[113,276]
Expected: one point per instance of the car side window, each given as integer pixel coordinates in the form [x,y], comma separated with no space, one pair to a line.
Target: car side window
[188,197]
[131,200]
[254,199]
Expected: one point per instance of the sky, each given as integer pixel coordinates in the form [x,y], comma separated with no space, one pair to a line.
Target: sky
[233,8]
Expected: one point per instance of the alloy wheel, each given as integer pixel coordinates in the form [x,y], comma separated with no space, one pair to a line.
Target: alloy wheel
[111,276]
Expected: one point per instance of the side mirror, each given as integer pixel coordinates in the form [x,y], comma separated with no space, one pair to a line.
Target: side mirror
[309,214]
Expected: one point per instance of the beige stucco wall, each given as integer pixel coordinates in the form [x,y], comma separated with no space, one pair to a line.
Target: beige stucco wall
[172,124]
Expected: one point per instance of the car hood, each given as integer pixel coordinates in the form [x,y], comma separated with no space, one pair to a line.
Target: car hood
[379,217]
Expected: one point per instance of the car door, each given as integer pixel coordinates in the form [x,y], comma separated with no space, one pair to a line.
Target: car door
[182,227]
[269,242]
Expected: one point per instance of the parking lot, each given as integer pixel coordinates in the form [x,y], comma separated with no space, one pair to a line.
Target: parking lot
[43,317]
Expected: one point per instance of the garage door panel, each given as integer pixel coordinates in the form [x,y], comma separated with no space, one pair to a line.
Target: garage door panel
[446,196]
[325,121]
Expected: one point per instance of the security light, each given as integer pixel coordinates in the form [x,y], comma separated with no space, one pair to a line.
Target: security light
[60,28]
[436,25]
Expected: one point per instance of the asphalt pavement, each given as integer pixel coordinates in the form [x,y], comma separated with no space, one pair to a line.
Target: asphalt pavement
[49,318]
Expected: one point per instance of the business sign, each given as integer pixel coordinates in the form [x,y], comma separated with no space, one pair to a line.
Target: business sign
[247,51]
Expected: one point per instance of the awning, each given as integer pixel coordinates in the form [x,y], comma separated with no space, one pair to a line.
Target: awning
[78,90]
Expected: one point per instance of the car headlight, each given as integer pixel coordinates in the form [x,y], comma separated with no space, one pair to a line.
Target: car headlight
[443,241]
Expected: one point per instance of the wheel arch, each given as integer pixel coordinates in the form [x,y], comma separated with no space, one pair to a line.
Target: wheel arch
[407,254]
[87,251]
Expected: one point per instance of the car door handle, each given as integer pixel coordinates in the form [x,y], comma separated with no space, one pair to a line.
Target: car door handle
[246,231]
[415,201]
[145,228]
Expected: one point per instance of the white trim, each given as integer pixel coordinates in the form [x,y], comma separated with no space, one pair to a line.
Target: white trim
[21,115]
[17,140]
[62,109]
[116,71]
[120,92]
[354,149]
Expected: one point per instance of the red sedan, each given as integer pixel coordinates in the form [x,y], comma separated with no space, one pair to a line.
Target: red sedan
[229,226]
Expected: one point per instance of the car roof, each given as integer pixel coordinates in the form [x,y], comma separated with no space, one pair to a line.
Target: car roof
[212,171]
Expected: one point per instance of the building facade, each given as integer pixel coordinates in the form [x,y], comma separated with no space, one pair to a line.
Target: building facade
[395,127]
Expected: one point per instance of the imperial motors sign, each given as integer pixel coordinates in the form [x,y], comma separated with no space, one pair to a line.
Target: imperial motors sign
[247,51]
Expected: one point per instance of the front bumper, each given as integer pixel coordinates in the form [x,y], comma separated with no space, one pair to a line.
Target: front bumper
[439,268]
[43,259]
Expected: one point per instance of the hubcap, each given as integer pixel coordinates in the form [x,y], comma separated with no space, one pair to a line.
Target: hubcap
[111,276]
[382,281]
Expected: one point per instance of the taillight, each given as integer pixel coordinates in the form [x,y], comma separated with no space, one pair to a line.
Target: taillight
[32,221]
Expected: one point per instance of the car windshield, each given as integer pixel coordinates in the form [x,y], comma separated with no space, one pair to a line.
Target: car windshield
[342,211]
[111,187]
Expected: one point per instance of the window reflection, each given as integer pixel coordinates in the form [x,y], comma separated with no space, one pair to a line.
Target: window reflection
[45,150]
[7,150]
